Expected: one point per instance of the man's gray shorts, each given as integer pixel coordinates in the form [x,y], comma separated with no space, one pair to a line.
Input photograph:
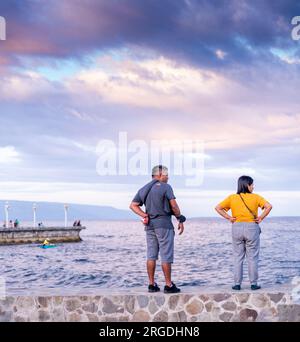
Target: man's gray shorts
[160,240]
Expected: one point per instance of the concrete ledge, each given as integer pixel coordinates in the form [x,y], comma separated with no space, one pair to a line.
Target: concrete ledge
[9,236]
[192,305]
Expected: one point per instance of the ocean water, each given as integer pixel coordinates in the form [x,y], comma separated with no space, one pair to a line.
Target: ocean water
[113,255]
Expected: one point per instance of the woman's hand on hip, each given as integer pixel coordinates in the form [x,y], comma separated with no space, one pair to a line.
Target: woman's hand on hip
[232,219]
[258,220]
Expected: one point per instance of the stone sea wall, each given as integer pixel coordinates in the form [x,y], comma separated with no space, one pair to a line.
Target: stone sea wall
[37,235]
[194,305]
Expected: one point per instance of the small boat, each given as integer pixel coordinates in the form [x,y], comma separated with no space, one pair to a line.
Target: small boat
[47,246]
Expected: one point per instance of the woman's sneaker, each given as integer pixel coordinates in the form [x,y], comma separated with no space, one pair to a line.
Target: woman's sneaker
[171,289]
[153,288]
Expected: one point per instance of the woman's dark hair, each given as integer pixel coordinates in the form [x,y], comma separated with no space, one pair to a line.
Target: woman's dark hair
[243,183]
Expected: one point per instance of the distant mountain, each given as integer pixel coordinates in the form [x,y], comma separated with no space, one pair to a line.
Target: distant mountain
[47,211]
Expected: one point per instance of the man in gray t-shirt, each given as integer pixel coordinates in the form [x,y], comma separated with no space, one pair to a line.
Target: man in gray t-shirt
[160,203]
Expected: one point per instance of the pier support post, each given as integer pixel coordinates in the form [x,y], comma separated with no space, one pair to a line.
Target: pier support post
[6,214]
[66,215]
[34,215]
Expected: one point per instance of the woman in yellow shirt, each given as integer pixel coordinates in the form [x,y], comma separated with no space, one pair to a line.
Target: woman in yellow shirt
[245,228]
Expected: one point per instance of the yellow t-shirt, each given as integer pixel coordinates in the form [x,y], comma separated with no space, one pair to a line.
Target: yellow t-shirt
[238,208]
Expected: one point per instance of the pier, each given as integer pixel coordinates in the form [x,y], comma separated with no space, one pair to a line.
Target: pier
[11,233]
[21,235]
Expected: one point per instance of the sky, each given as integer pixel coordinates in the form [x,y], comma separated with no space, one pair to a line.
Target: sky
[74,75]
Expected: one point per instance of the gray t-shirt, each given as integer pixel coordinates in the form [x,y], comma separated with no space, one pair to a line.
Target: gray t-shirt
[157,203]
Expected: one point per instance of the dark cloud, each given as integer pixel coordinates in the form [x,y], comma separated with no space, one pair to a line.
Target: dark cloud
[191,30]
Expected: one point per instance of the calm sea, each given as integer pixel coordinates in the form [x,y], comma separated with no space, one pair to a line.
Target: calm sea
[113,254]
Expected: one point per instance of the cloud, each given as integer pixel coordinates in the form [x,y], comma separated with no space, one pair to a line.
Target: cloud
[151,98]
[289,56]
[157,83]
[221,54]
[216,107]
[24,86]
[9,155]
[188,30]
[80,115]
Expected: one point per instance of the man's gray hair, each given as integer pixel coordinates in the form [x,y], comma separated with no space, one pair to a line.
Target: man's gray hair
[159,169]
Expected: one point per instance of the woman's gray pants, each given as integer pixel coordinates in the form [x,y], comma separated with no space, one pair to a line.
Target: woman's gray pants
[245,240]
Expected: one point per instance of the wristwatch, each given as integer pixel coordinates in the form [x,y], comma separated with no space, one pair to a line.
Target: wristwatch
[181,218]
